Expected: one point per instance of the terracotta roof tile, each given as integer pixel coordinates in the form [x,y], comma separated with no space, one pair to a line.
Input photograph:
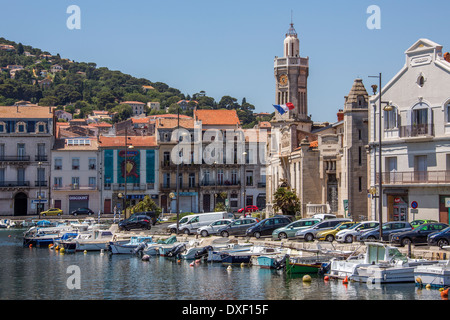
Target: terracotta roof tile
[34,112]
[217,117]
[173,123]
[119,141]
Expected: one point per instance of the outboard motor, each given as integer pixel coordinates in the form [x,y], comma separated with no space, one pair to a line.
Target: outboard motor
[280,264]
[176,250]
[325,268]
[203,252]
[140,248]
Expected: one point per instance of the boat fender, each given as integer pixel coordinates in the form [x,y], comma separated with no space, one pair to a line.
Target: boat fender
[85,251]
[191,264]
[444,293]
[30,246]
[242,264]
[306,278]
[62,250]
[345,281]
[419,280]
[197,261]
[428,286]
[326,278]
[145,257]
[229,268]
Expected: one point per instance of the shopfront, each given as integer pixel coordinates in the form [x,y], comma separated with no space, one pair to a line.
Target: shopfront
[397,205]
[78,201]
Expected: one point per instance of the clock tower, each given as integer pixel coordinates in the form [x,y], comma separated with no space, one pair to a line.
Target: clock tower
[291,74]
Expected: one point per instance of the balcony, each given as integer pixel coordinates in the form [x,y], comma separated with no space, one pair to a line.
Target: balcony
[418,130]
[41,158]
[15,158]
[173,186]
[40,183]
[74,187]
[14,184]
[130,186]
[220,184]
[416,177]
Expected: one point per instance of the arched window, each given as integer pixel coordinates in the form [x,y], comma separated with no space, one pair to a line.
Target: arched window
[447,112]
[2,127]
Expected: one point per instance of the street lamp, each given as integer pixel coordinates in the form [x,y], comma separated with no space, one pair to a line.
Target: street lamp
[380,181]
[40,188]
[244,178]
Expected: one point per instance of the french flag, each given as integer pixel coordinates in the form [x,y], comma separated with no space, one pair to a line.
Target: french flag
[283,108]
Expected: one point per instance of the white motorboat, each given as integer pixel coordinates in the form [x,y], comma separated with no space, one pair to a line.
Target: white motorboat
[218,251]
[7,223]
[380,263]
[192,247]
[95,240]
[42,237]
[436,275]
[128,247]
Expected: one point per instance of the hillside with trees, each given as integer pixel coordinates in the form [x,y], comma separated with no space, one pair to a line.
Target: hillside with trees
[84,87]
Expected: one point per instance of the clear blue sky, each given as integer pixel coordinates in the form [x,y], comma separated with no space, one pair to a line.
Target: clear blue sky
[228,47]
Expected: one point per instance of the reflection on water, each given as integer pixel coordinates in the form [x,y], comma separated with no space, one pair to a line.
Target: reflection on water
[42,274]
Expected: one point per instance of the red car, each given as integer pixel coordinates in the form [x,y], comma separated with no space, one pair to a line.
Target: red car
[248,209]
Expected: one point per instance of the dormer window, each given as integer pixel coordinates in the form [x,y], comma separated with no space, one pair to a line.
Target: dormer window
[40,127]
[21,127]
[2,127]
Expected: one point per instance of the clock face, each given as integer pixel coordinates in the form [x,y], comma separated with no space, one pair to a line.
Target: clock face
[283,79]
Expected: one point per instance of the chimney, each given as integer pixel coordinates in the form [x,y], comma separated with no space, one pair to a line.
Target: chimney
[447,57]
[340,115]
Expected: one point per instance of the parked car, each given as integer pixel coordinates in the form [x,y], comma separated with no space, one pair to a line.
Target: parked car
[355,231]
[310,233]
[420,222]
[439,238]
[152,215]
[248,209]
[290,230]
[324,216]
[190,223]
[214,227]
[237,227]
[136,222]
[388,228]
[330,235]
[52,212]
[418,235]
[267,226]
[82,211]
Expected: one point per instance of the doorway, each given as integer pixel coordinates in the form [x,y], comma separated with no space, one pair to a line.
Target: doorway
[20,204]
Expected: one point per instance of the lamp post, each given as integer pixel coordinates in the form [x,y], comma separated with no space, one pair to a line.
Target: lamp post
[125,172]
[40,188]
[245,181]
[380,174]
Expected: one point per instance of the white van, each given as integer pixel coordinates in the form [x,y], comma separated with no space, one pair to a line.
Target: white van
[189,224]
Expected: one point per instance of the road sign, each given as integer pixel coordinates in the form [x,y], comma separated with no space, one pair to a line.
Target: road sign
[414,205]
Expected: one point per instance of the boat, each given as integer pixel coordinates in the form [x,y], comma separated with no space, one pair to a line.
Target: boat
[42,237]
[304,265]
[192,247]
[436,275]
[238,257]
[381,263]
[7,223]
[128,247]
[93,240]
[216,253]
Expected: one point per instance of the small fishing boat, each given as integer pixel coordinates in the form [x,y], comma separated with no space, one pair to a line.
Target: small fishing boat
[246,256]
[303,265]
[93,240]
[380,263]
[436,275]
[192,247]
[216,253]
[121,247]
[42,237]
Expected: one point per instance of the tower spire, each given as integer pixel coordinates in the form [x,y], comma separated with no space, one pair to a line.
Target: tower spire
[291,31]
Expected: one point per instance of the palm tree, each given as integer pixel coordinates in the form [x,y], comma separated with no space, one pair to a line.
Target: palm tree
[286,200]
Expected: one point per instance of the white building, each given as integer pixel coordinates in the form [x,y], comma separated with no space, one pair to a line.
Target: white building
[415,138]
[138,107]
[75,174]
[26,138]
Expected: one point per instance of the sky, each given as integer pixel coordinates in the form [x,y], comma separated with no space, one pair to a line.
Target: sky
[228,47]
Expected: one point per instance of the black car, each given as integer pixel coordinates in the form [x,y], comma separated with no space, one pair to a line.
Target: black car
[136,222]
[439,238]
[388,229]
[237,227]
[153,216]
[267,226]
[418,235]
[85,211]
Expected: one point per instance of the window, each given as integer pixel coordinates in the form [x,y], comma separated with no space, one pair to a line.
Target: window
[92,182]
[2,127]
[360,184]
[75,182]
[57,181]
[234,177]
[191,180]
[75,164]
[447,112]
[40,127]
[390,119]
[20,127]
[220,177]
[58,163]
[249,178]
[166,180]
[92,163]
[21,149]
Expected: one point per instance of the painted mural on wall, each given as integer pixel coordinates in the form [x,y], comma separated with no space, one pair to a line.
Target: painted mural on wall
[128,164]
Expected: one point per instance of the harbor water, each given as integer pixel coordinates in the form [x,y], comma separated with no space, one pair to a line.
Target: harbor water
[45,274]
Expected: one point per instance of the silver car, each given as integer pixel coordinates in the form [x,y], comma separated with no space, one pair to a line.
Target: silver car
[213,227]
[310,233]
[355,231]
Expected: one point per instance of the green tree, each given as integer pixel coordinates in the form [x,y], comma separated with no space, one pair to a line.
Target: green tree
[286,200]
[146,204]
[20,49]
